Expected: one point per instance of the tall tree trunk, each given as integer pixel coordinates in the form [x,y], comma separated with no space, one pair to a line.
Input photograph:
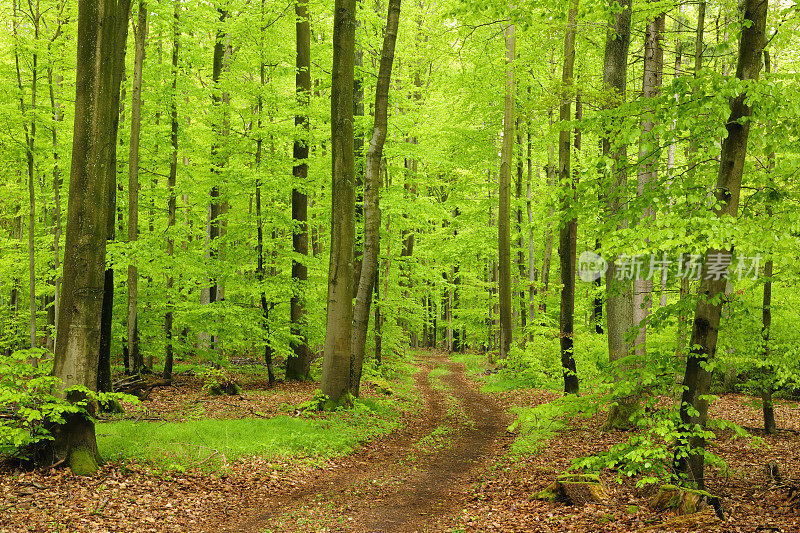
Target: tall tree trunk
[266,306]
[767,385]
[523,299]
[697,378]
[531,248]
[171,201]
[54,86]
[118,72]
[102,29]
[339,325]
[298,365]
[372,212]
[140,36]
[568,231]
[504,203]
[648,167]
[30,144]
[619,300]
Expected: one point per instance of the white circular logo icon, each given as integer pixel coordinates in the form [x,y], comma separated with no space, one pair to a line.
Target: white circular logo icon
[591,266]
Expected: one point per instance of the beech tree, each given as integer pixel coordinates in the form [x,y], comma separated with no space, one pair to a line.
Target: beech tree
[339,325]
[101,32]
[372,212]
[705,325]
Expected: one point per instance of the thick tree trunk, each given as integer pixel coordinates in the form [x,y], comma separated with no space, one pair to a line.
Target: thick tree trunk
[504,209]
[697,378]
[372,212]
[619,301]
[568,231]
[102,29]
[338,331]
[298,364]
[140,36]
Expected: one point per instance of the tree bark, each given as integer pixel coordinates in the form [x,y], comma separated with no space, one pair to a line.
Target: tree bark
[140,36]
[697,378]
[171,201]
[372,212]
[298,364]
[504,203]
[339,323]
[619,304]
[567,239]
[648,168]
[102,29]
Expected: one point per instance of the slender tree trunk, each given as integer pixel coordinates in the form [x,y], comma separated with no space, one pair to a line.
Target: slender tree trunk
[703,344]
[338,332]
[171,201]
[766,323]
[531,249]
[266,306]
[523,297]
[140,36]
[567,241]
[619,300]
[117,72]
[102,29]
[298,365]
[648,168]
[29,129]
[372,212]
[504,209]
[766,310]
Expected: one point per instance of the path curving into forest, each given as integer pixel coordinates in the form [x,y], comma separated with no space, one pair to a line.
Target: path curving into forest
[407,482]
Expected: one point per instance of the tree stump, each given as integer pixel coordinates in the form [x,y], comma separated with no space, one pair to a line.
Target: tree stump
[577,489]
[684,501]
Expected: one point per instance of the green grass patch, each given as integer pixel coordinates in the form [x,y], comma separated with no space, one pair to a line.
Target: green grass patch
[210,443]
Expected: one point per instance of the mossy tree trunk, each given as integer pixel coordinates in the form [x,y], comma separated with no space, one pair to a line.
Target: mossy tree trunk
[102,29]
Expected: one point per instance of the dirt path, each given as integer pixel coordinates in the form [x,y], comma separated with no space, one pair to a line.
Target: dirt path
[410,481]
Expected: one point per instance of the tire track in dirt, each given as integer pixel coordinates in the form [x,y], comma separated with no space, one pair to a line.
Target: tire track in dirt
[398,484]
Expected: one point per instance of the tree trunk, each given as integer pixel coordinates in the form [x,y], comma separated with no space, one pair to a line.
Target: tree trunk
[102,29]
[266,306]
[568,231]
[648,168]
[140,36]
[171,201]
[523,297]
[372,212]
[504,209]
[298,364]
[697,378]
[619,304]
[339,324]
[529,208]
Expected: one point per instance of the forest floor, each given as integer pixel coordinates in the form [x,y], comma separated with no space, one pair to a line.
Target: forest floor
[450,465]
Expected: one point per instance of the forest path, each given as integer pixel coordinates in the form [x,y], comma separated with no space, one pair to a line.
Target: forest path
[409,481]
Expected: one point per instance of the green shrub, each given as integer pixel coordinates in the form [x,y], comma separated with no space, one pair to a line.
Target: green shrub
[32,402]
